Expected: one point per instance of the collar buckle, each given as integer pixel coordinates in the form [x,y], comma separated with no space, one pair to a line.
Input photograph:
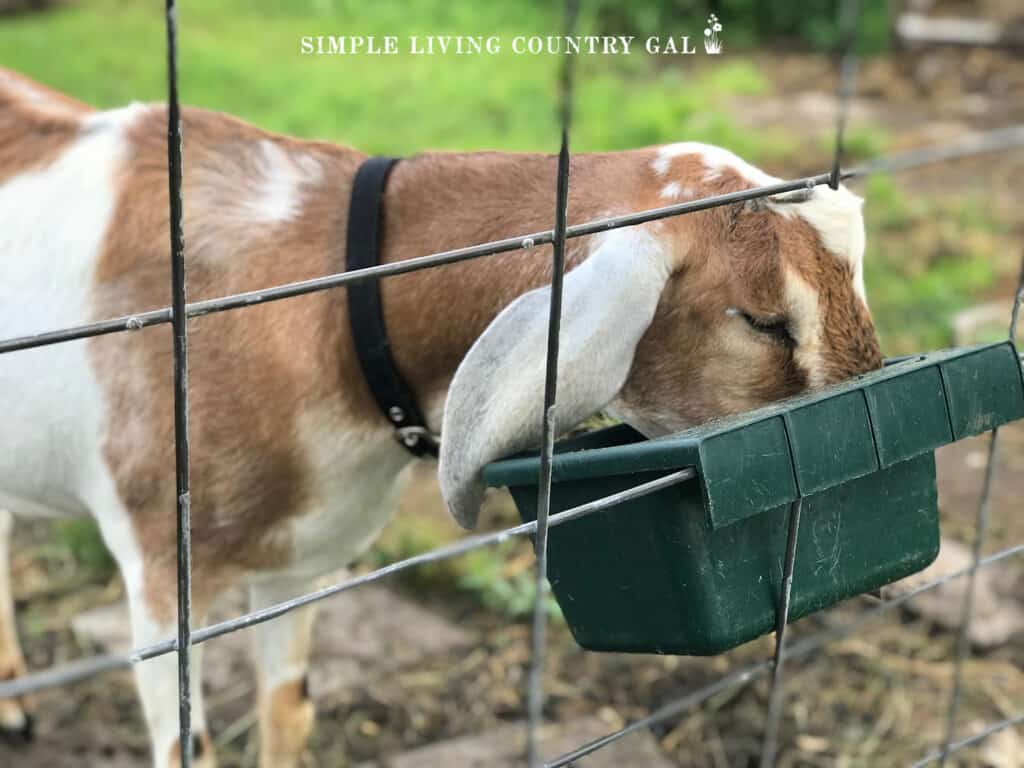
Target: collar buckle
[418,440]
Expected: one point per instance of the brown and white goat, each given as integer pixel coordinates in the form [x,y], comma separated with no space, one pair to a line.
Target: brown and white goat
[294,470]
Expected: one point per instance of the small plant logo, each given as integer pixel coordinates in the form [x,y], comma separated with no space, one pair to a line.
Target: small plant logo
[712,42]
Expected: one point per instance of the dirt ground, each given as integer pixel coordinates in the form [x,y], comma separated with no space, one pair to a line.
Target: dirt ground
[876,698]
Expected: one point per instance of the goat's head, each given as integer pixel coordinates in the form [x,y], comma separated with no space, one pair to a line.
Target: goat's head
[676,322]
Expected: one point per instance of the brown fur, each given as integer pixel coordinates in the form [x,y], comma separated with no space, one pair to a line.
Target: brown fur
[54,117]
[286,722]
[251,372]
[441,201]
[737,258]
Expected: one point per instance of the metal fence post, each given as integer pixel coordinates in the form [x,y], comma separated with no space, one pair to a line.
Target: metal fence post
[179,327]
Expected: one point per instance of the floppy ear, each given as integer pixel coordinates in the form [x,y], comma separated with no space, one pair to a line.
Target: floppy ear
[495,401]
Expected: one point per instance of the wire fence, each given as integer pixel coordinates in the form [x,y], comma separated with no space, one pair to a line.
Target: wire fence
[180,311]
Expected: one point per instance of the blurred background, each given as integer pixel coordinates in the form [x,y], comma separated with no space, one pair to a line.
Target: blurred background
[429,670]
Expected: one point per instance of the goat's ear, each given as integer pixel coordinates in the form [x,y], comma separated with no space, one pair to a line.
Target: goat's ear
[495,401]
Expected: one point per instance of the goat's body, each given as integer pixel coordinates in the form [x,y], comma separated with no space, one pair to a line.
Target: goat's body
[294,471]
[293,468]
[58,405]
[289,487]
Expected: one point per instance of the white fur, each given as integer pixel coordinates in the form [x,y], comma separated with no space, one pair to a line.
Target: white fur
[277,191]
[52,224]
[356,483]
[835,214]
[802,309]
[671,191]
[281,647]
[51,227]
[156,679]
[714,159]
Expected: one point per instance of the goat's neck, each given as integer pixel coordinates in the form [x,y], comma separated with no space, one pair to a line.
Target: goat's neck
[446,201]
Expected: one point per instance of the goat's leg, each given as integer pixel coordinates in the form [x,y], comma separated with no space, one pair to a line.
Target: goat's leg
[15,714]
[281,654]
[157,683]
[148,569]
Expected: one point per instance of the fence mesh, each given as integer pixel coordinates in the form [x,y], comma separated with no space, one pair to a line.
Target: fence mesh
[180,311]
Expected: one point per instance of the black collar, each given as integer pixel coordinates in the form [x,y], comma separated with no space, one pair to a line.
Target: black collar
[366,316]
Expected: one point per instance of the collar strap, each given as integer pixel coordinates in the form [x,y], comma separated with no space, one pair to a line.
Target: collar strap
[366,315]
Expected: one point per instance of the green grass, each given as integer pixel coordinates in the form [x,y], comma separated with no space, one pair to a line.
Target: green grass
[926,259]
[82,538]
[501,578]
[243,58]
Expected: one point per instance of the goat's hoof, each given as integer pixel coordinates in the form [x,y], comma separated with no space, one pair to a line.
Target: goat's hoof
[17,727]
[16,723]
[202,752]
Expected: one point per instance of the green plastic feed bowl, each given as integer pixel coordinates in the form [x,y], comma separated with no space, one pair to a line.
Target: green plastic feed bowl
[651,576]
[696,568]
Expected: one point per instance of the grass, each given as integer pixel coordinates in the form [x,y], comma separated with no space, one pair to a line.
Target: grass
[501,578]
[926,259]
[243,58]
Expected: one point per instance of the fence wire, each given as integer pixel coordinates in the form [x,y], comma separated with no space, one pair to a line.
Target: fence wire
[781,623]
[80,670]
[998,140]
[963,645]
[849,12]
[180,311]
[549,428]
[758,670]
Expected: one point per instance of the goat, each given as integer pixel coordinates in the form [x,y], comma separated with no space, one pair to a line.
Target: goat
[294,469]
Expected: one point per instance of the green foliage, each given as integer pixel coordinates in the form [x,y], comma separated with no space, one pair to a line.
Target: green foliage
[243,58]
[82,538]
[501,578]
[926,259]
[485,573]
[811,24]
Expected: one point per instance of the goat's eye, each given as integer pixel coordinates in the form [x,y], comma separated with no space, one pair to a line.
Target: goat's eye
[775,327]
